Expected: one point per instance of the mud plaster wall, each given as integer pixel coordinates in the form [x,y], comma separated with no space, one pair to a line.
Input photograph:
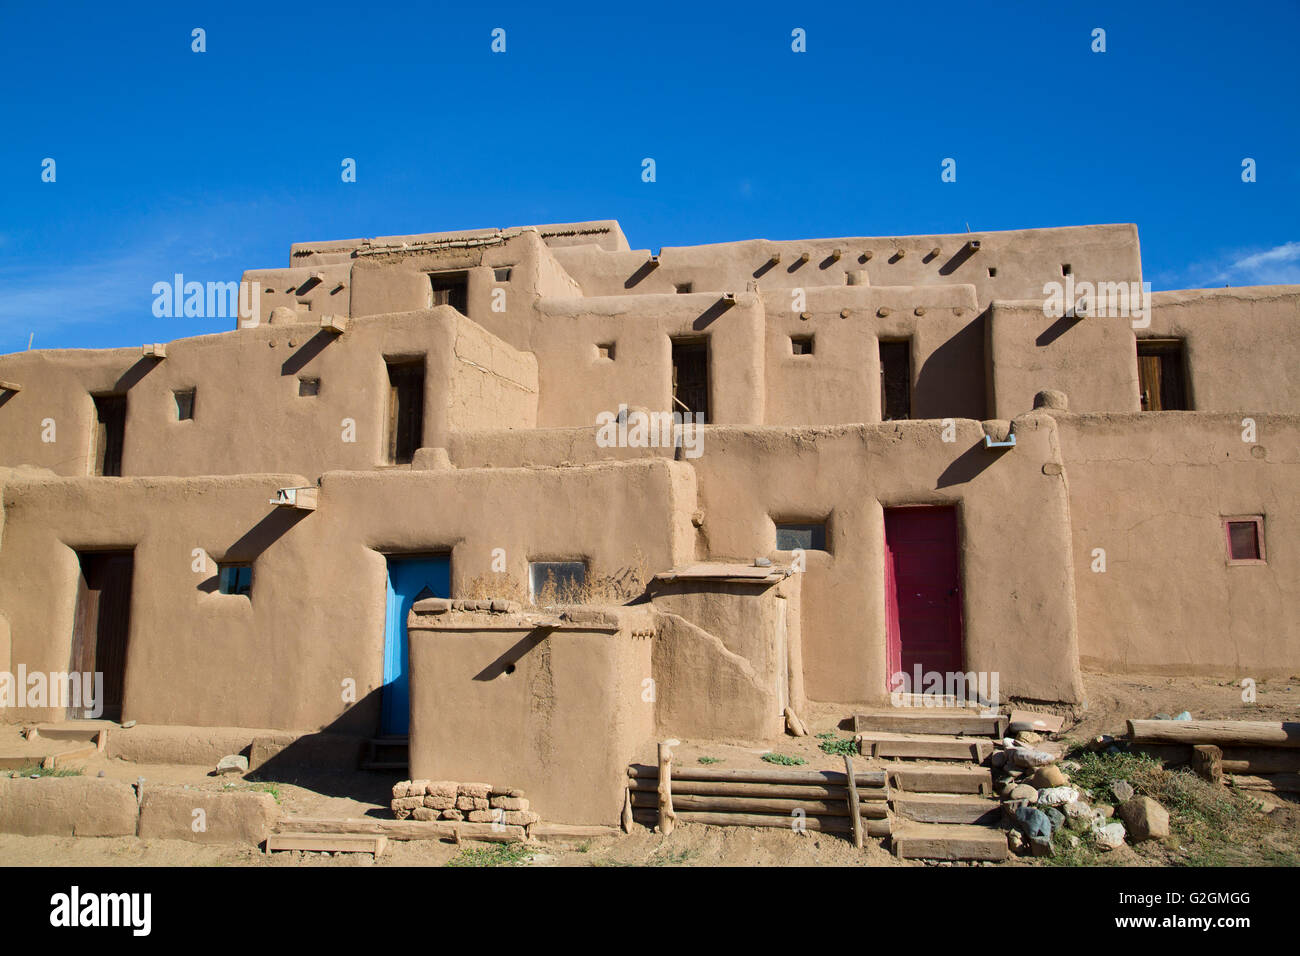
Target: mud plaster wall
[316,615]
[563,726]
[1151,491]
[248,414]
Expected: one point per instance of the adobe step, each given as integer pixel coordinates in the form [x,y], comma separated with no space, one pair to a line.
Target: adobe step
[931,721]
[949,778]
[946,808]
[882,744]
[948,841]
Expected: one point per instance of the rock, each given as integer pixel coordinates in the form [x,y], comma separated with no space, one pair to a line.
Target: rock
[1057,796]
[424,814]
[509,803]
[418,788]
[1109,837]
[1006,787]
[407,803]
[1040,846]
[1072,841]
[452,815]
[441,788]
[1029,759]
[1145,819]
[1032,823]
[128,725]
[1101,742]
[1123,790]
[401,789]
[1184,715]
[439,803]
[1055,817]
[1049,776]
[1015,842]
[232,763]
[1022,791]
[1028,737]
[484,816]
[468,804]
[1105,810]
[1069,766]
[998,759]
[521,818]
[1162,717]
[479,790]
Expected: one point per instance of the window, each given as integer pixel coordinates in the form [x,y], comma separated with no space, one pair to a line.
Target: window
[605,351]
[235,579]
[556,582]
[1066,268]
[801,537]
[450,288]
[691,378]
[1245,536]
[308,386]
[502,274]
[110,434]
[184,404]
[801,344]
[993,272]
[1162,375]
[405,410]
[684,288]
[895,380]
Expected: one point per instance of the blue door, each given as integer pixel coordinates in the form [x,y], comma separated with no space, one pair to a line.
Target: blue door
[408,579]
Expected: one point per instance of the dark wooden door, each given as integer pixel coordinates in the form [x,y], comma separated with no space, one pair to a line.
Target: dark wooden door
[102,626]
[923,569]
[1161,376]
[405,410]
[691,378]
[110,434]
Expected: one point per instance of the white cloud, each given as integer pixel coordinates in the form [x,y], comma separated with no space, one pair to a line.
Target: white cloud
[1277,266]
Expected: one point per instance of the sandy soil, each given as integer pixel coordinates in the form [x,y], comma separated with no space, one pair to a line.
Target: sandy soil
[1110,701]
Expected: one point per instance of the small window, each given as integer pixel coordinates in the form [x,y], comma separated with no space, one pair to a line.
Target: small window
[605,351]
[993,272]
[405,410]
[896,380]
[450,288]
[557,582]
[184,404]
[1066,268]
[308,386]
[801,537]
[235,579]
[684,288]
[502,274]
[1245,539]
[801,344]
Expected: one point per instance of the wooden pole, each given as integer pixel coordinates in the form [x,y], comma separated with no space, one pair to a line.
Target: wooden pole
[627,810]
[1207,761]
[666,815]
[1223,733]
[855,814]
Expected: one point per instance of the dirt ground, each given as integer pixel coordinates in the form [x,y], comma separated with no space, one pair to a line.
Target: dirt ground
[1109,702]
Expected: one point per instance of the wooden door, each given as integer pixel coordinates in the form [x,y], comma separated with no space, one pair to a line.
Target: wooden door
[923,574]
[110,435]
[102,626]
[409,579]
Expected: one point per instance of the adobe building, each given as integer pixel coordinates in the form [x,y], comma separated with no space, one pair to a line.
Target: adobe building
[415,492]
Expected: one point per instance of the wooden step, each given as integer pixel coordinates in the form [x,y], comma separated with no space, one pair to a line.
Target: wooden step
[931,721]
[947,808]
[328,843]
[947,841]
[815,824]
[941,779]
[454,830]
[880,745]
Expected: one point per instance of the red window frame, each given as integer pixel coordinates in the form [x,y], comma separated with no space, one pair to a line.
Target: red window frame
[1258,522]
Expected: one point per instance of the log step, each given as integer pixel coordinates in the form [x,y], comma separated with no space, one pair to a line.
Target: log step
[880,745]
[873,828]
[930,721]
[642,799]
[831,778]
[943,841]
[947,808]
[454,830]
[942,779]
[807,791]
[328,843]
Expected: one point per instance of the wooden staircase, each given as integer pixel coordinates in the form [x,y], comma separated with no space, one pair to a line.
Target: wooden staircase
[940,792]
[387,754]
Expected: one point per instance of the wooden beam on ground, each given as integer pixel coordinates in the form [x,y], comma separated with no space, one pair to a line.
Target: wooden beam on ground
[806,791]
[1275,782]
[1223,733]
[1207,761]
[452,830]
[328,843]
[874,828]
[824,808]
[666,786]
[855,811]
[867,778]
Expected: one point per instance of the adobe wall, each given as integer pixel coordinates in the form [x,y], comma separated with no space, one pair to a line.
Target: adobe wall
[1013,516]
[1151,491]
[248,414]
[558,710]
[315,619]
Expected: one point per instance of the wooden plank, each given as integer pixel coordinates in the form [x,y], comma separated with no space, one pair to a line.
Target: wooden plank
[405,829]
[559,832]
[874,828]
[788,791]
[1224,733]
[935,841]
[1207,761]
[1037,721]
[942,779]
[855,809]
[666,787]
[81,754]
[924,747]
[905,721]
[868,778]
[328,843]
[824,808]
[1277,782]
[947,808]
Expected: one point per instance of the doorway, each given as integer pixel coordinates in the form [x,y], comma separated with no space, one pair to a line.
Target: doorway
[1162,375]
[691,378]
[922,593]
[102,625]
[410,578]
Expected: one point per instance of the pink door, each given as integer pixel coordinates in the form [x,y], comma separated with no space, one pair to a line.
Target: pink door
[922,592]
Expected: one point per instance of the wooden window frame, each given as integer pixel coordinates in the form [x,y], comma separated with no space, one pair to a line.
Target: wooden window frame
[1258,522]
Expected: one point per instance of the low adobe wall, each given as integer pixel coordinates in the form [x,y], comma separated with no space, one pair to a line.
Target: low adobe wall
[67,806]
[557,708]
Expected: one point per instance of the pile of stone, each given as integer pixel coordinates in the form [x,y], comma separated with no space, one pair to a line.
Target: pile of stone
[428,800]
[1038,801]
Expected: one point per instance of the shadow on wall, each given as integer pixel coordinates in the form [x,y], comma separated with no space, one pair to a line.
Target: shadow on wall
[310,349]
[1056,330]
[970,464]
[142,367]
[960,358]
[505,664]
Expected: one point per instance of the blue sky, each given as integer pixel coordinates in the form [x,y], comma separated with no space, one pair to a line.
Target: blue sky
[211,163]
